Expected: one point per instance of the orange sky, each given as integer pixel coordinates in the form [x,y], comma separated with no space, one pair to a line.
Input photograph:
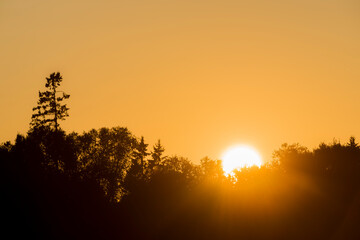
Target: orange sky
[200,75]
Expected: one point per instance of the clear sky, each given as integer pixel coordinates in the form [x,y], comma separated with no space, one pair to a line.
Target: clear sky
[201,75]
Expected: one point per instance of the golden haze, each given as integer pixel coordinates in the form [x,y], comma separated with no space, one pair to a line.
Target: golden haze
[199,75]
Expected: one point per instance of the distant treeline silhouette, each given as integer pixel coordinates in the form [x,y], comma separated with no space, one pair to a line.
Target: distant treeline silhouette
[108,184]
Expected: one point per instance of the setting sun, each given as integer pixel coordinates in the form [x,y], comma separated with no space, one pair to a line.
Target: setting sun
[221,119]
[240,156]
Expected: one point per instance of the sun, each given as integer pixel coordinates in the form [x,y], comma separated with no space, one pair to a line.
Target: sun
[238,157]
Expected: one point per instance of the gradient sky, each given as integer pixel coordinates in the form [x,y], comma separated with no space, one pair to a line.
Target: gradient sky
[201,75]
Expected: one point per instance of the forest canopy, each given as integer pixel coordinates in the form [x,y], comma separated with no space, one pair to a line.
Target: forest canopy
[105,183]
[108,183]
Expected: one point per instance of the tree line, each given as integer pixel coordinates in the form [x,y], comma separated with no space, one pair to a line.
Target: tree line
[109,184]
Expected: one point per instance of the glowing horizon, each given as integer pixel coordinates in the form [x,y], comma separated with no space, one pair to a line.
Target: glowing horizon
[199,75]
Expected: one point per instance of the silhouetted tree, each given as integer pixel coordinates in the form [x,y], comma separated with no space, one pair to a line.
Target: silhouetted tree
[181,165]
[105,156]
[50,110]
[352,142]
[157,155]
[140,153]
[211,168]
[293,157]
[136,177]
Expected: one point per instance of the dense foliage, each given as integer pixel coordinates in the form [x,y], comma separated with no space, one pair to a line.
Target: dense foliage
[106,184]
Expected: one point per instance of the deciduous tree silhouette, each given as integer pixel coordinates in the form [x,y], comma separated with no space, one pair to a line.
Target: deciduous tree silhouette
[50,110]
[105,157]
[211,168]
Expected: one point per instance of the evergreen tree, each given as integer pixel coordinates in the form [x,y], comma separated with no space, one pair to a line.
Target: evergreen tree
[352,142]
[140,153]
[156,154]
[50,110]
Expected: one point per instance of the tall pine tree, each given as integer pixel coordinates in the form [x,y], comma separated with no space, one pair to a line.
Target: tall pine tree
[50,109]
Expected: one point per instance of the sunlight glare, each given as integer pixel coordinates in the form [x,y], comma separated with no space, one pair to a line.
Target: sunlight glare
[240,156]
